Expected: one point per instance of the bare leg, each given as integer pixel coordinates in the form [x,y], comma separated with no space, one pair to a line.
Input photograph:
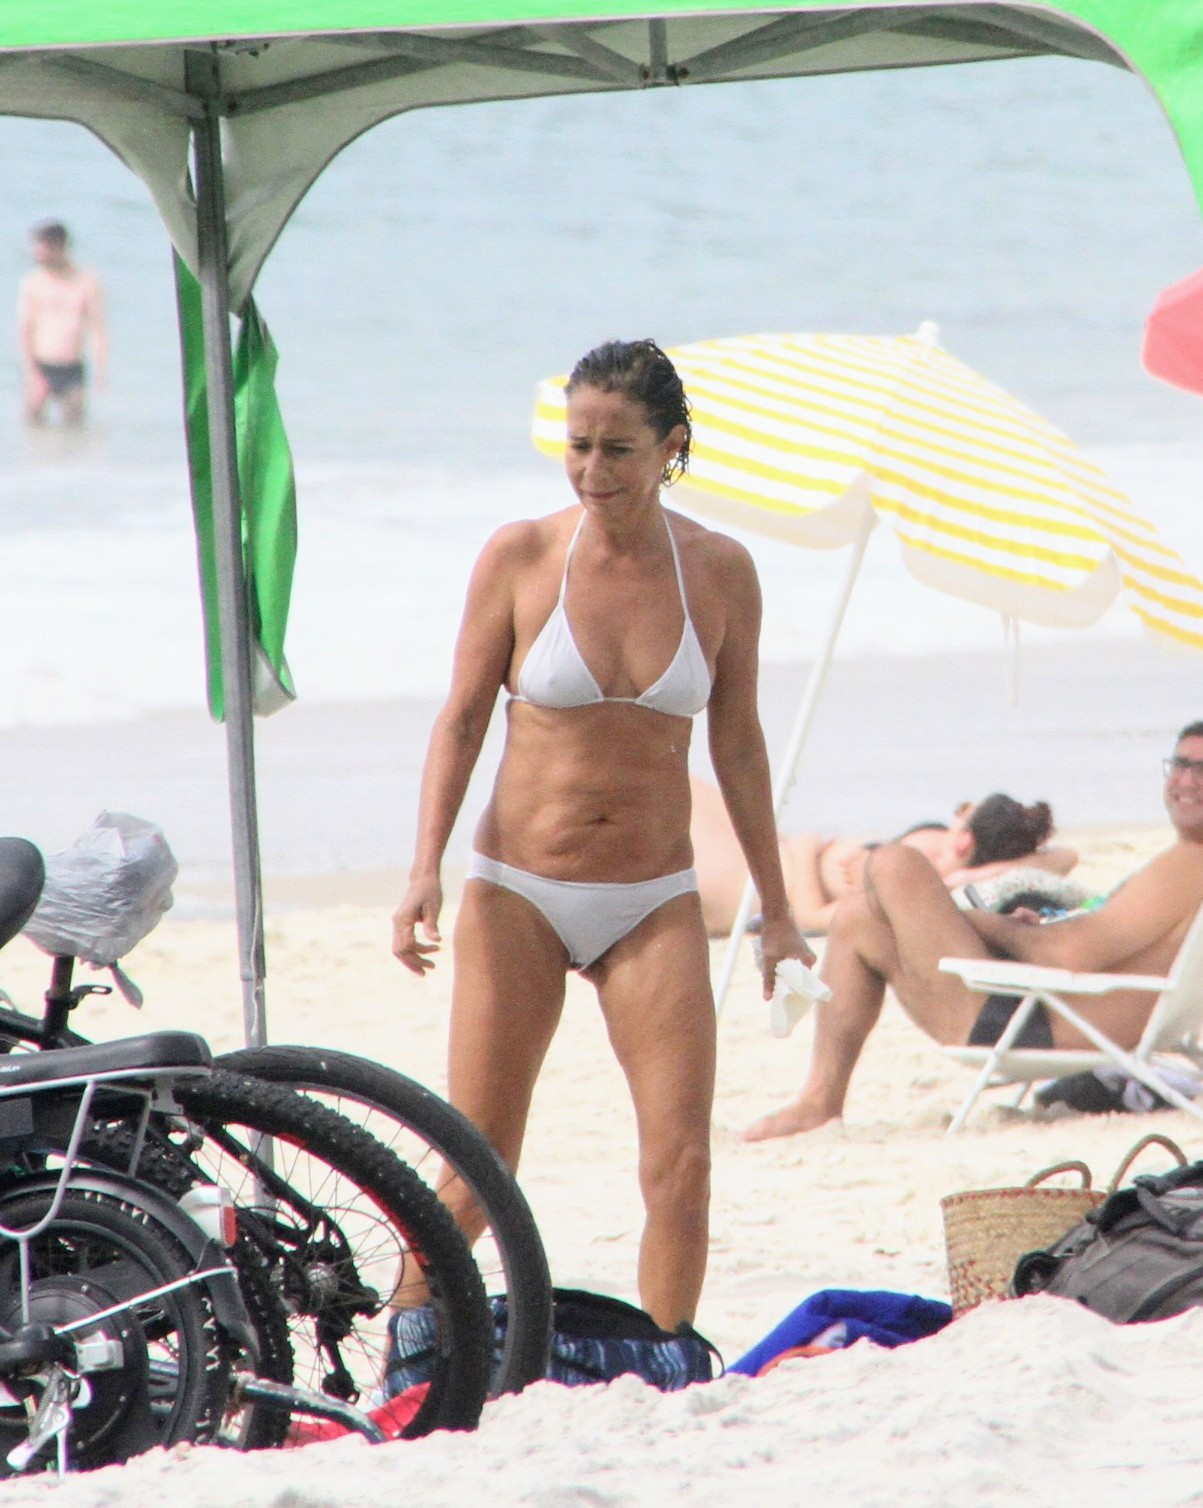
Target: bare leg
[73,404]
[36,399]
[809,900]
[717,858]
[841,1024]
[894,934]
[654,988]
[506,1000]
[819,872]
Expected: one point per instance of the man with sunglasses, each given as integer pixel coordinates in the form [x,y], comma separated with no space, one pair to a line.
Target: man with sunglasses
[896,932]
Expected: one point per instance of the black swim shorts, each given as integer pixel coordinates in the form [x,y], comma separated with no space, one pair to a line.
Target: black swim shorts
[992,1021]
[63,377]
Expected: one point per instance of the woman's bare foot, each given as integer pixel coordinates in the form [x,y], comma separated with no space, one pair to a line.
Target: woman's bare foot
[797,1116]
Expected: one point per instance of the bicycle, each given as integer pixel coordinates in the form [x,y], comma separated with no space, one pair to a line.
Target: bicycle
[335,1227]
[121,1317]
[123,1323]
[338,1223]
[420,1128]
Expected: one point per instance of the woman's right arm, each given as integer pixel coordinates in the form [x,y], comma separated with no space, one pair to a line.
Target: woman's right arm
[483,652]
[1054,860]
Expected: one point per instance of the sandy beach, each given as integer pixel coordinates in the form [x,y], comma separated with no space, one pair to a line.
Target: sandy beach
[1039,1402]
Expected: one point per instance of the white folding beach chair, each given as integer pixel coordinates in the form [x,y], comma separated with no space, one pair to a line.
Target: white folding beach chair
[1172,1025]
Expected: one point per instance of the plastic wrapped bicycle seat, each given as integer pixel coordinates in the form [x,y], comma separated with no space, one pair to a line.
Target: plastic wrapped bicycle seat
[106,892]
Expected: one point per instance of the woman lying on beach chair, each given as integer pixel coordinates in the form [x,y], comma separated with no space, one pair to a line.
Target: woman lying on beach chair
[983,840]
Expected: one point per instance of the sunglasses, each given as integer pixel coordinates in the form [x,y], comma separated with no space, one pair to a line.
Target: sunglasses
[1180,766]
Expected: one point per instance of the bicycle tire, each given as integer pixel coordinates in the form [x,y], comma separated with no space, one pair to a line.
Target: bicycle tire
[425,1127]
[133,1407]
[392,1205]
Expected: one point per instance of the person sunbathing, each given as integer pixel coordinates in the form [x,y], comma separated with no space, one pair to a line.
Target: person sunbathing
[894,933]
[983,840]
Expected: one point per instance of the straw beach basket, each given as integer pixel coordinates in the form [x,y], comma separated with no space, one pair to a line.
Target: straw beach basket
[988,1230]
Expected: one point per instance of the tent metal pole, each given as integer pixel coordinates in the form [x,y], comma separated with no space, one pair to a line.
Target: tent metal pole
[793,752]
[232,600]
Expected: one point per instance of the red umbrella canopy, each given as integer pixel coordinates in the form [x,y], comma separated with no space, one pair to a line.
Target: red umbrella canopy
[1173,343]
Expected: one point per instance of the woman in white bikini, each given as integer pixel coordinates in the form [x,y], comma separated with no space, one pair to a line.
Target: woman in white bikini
[611,624]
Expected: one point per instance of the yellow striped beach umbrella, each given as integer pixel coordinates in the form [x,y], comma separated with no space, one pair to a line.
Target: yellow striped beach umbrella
[800,436]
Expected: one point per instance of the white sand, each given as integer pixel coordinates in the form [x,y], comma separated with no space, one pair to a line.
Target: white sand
[1038,1402]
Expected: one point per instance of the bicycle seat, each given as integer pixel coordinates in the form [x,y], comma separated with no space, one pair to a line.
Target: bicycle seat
[131,1057]
[22,875]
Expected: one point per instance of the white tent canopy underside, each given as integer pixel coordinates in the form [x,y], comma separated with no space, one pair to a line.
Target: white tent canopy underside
[288,105]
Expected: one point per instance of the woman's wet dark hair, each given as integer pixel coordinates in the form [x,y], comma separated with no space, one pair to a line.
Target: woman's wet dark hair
[1003,828]
[640,370]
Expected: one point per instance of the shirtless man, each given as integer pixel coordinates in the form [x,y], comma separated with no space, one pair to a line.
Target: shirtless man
[896,932]
[60,317]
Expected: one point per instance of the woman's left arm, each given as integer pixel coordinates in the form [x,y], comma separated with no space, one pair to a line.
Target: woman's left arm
[739,756]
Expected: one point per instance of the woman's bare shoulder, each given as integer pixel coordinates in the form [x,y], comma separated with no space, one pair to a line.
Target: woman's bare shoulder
[525,541]
[711,548]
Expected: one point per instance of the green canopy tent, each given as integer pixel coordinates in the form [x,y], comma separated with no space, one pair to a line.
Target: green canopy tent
[228,110]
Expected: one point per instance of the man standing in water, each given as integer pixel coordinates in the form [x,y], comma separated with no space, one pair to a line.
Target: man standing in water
[60,316]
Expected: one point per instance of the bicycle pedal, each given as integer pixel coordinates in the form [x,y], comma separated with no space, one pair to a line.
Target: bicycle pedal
[51,1422]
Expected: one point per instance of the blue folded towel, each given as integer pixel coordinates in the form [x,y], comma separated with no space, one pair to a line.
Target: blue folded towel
[887,1319]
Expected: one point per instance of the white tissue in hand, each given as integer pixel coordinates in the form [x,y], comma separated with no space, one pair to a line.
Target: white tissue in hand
[795,990]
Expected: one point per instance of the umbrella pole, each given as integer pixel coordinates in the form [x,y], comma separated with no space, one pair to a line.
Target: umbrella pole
[793,752]
[232,601]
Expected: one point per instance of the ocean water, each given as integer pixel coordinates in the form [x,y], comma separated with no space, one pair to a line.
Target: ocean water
[104,613]
[449,259]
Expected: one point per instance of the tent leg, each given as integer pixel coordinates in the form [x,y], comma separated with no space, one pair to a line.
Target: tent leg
[793,751]
[232,600]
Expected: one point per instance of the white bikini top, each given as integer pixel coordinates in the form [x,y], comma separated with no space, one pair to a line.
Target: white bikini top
[554,673]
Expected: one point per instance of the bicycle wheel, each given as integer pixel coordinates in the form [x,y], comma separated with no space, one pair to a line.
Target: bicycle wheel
[445,1148]
[340,1222]
[169,1368]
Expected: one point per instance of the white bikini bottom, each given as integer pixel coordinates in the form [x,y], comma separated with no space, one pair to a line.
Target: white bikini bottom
[588,919]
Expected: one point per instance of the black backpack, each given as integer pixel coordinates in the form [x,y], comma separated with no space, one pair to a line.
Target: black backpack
[596,1338]
[1138,1256]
